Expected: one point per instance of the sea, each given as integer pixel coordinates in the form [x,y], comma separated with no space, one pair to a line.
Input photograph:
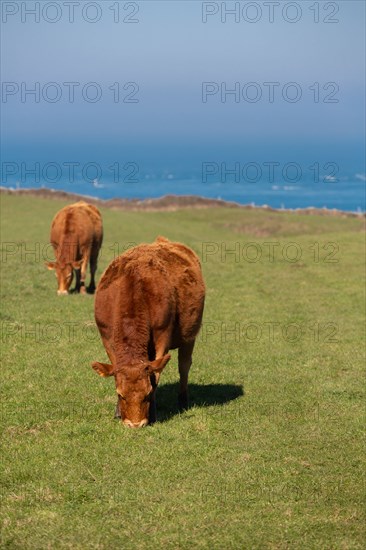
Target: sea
[344,192]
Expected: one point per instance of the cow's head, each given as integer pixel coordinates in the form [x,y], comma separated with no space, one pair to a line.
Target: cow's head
[135,387]
[64,273]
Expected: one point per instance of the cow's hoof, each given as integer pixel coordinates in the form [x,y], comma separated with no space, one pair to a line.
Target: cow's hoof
[182,401]
[83,290]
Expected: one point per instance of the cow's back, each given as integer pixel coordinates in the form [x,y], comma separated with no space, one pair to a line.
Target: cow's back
[185,277]
[151,285]
[78,223]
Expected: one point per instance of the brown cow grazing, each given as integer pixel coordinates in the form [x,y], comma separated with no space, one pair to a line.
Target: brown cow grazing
[76,236]
[148,301]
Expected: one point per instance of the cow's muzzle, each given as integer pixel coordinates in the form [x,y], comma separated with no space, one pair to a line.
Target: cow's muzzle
[141,424]
[62,293]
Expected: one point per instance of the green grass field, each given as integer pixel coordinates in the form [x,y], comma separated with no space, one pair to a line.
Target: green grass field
[270,454]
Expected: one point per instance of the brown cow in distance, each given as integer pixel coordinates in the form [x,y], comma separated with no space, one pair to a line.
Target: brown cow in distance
[76,237]
[148,301]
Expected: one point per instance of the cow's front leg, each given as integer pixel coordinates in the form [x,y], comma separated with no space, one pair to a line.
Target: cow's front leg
[84,266]
[184,364]
[152,410]
[117,412]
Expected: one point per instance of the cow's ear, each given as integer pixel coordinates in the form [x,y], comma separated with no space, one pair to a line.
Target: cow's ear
[103,369]
[158,365]
[50,265]
[77,264]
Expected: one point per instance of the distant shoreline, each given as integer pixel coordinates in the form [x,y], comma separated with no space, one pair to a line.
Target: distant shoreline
[172,203]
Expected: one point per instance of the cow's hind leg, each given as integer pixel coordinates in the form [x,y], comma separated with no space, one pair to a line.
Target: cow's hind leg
[93,268]
[184,364]
[77,281]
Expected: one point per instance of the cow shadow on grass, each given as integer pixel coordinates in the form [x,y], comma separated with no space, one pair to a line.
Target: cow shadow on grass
[200,395]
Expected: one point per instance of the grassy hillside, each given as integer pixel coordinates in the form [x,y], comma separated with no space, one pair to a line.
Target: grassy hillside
[270,454]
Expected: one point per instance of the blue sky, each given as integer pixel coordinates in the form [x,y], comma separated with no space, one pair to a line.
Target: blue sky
[169,53]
